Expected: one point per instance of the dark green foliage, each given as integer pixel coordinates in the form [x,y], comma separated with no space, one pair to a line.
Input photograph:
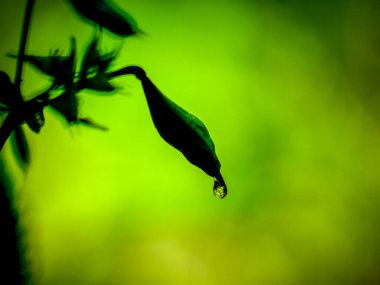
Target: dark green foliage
[12,120]
[9,98]
[20,146]
[90,58]
[94,67]
[12,264]
[61,68]
[99,83]
[94,60]
[181,129]
[66,105]
[176,126]
[8,91]
[106,14]
[35,120]
[90,123]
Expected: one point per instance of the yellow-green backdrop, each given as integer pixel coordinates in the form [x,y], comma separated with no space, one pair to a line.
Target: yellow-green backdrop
[289,91]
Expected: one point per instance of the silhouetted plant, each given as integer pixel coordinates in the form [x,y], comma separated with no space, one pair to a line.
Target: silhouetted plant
[176,126]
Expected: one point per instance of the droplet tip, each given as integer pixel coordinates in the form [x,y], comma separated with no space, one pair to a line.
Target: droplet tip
[220,188]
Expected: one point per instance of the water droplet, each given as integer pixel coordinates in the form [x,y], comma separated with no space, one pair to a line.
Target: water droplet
[220,188]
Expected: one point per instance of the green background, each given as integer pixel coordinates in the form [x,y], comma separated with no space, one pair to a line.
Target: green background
[289,91]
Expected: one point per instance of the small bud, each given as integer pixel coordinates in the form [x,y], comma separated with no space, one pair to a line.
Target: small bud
[185,132]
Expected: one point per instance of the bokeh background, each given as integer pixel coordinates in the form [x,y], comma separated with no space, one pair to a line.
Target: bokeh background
[289,91]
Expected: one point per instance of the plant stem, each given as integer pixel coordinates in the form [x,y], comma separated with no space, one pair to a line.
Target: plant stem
[16,117]
[19,68]
[128,70]
[13,268]
[22,48]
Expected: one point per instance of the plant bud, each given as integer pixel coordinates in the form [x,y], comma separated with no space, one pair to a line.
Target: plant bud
[185,132]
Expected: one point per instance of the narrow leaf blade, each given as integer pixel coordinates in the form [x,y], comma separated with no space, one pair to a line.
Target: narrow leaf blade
[21,146]
[106,14]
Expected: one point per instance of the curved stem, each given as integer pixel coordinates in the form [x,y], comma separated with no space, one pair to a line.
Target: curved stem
[128,70]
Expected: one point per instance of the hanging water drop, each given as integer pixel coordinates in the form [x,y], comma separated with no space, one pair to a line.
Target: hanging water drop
[220,188]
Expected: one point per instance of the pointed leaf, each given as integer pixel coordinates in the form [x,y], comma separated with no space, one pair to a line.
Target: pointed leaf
[184,132]
[8,91]
[89,123]
[105,61]
[99,83]
[106,14]
[12,120]
[50,65]
[30,112]
[94,67]
[66,105]
[61,68]
[69,68]
[36,121]
[91,58]
[20,146]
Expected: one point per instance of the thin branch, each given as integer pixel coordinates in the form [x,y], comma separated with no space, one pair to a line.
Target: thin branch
[128,70]
[20,64]
[22,48]
[17,116]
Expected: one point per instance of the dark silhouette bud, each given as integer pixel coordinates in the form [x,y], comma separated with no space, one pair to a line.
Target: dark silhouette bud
[185,132]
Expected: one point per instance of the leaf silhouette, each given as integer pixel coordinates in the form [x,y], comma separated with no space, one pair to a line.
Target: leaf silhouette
[94,67]
[185,132]
[8,91]
[99,83]
[105,61]
[108,15]
[66,105]
[12,120]
[20,146]
[91,58]
[89,123]
[61,68]
[36,120]
[30,112]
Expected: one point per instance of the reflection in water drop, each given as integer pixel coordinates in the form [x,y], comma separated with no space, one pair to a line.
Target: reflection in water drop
[220,188]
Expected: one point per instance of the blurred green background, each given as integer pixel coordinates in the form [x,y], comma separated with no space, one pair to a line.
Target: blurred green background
[289,91]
